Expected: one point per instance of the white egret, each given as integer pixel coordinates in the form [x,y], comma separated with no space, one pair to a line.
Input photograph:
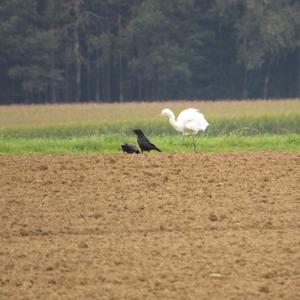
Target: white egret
[189,121]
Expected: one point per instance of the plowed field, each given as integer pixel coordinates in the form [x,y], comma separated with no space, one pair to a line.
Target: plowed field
[157,226]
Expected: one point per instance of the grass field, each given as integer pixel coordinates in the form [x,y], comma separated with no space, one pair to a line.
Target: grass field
[93,128]
[111,143]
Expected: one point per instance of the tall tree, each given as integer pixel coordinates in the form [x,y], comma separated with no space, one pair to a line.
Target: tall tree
[114,50]
[27,47]
[161,43]
[265,29]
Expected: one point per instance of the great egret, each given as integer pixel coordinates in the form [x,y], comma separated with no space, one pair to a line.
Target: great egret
[189,121]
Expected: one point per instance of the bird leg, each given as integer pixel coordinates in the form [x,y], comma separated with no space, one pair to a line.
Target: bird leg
[194,144]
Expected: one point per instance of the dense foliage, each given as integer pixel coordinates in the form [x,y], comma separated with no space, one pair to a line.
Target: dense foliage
[114,50]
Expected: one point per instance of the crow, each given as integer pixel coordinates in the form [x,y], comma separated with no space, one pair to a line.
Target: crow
[144,143]
[129,148]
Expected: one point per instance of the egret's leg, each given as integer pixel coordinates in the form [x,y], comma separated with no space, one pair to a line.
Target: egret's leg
[194,144]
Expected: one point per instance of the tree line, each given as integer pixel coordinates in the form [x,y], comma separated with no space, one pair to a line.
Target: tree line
[55,51]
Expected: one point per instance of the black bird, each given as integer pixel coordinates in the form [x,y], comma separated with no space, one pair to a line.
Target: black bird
[129,148]
[143,141]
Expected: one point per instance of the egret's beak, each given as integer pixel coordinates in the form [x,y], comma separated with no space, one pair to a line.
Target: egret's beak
[160,115]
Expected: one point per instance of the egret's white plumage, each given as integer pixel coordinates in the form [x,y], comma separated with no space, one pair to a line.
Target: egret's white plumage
[189,121]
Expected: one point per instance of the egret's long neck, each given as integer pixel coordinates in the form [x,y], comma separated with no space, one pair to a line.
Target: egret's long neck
[173,121]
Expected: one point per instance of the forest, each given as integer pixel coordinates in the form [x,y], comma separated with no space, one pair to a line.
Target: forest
[54,51]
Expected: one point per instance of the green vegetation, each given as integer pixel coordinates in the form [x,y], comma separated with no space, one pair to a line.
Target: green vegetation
[226,118]
[94,128]
[220,126]
[111,144]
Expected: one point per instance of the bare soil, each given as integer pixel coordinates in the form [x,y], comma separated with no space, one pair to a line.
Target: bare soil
[157,226]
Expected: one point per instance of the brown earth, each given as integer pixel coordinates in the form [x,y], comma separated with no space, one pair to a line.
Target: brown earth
[157,226]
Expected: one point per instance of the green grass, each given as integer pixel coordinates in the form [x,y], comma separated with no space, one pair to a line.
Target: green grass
[102,128]
[277,124]
[110,143]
